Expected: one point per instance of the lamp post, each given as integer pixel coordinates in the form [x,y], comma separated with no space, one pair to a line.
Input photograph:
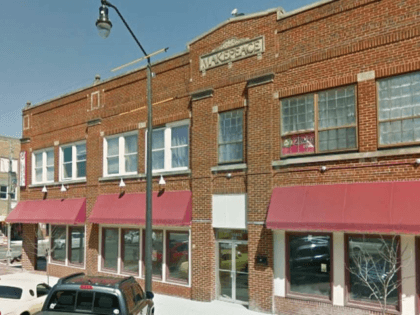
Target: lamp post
[104,27]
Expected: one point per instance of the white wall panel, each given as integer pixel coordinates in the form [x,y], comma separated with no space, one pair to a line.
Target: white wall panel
[408,272]
[339,269]
[279,239]
[229,211]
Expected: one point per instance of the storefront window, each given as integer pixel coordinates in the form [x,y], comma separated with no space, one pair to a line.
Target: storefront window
[58,243]
[110,248]
[77,242]
[373,268]
[157,253]
[170,253]
[177,255]
[309,264]
[130,250]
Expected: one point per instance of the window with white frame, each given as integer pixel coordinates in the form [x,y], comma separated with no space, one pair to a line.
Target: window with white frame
[43,166]
[3,192]
[120,154]
[399,109]
[73,161]
[122,252]
[334,112]
[170,147]
[231,136]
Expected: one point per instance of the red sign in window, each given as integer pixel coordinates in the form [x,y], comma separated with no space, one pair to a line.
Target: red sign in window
[298,144]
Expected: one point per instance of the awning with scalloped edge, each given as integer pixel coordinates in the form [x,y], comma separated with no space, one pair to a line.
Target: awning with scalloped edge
[383,207]
[172,208]
[54,211]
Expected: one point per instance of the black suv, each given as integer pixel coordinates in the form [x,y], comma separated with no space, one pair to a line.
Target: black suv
[79,293]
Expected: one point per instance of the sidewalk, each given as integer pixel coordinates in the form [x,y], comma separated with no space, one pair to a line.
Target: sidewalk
[5,270]
[169,305]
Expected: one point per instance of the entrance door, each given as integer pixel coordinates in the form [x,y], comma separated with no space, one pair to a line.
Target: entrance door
[233,271]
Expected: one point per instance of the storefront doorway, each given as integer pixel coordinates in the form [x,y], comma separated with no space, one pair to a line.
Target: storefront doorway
[232,266]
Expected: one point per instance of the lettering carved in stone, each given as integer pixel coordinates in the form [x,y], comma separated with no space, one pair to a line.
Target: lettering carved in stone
[232,50]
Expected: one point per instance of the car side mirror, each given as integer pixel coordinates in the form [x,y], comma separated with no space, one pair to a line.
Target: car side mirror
[149,295]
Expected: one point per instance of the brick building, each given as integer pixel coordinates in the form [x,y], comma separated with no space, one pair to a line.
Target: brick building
[289,147]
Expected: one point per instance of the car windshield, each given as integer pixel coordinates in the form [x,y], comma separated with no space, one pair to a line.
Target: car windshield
[7,292]
[86,301]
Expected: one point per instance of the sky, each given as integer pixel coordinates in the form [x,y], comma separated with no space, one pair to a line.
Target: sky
[50,47]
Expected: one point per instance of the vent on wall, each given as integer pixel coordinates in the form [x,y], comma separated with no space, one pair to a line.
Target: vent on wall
[95,100]
[25,122]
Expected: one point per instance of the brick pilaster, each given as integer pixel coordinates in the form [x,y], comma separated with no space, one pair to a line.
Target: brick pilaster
[29,246]
[260,240]
[366,100]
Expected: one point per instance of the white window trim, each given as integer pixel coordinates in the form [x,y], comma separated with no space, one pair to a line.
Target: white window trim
[140,274]
[167,146]
[73,161]
[67,260]
[121,154]
[44,166]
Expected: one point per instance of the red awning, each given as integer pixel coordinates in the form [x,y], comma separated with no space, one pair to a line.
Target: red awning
[55,211]
[170,208]
[385,207]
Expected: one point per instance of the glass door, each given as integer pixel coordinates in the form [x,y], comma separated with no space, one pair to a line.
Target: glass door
[241,272]
[225,271]
[233,271]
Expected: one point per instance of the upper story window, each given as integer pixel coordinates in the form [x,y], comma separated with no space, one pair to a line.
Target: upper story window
[231,136]
[43,166]
[4,192]
[120,154]
[320,122]
[170,147]
[399,109]
[73,161]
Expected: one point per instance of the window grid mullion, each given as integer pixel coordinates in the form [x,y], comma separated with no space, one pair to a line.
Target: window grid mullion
[337,127]
[44,166]
[316,121]
[167,148]
[121,155]
[73,161]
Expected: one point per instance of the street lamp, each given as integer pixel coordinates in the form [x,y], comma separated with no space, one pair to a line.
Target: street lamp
[104,27]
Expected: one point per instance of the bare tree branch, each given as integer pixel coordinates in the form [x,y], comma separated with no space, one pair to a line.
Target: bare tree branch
[378,269]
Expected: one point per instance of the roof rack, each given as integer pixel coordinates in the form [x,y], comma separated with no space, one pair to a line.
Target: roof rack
[61,280]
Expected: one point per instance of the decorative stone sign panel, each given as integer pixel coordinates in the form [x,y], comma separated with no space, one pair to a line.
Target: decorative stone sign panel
[232,50]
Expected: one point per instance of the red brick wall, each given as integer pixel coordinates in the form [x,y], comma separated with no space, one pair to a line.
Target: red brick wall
[317,49]
[287,306]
